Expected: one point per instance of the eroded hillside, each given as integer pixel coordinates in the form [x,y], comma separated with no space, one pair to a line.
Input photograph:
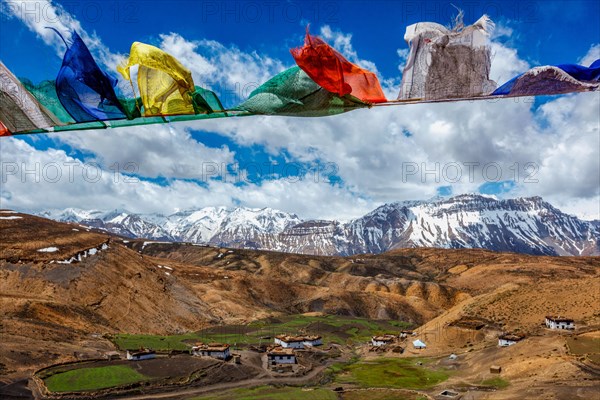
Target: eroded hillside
[63,286]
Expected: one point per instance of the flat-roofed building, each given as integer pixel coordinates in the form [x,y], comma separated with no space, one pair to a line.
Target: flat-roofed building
[281,355]
[557,322]
[214,350]
[383,340]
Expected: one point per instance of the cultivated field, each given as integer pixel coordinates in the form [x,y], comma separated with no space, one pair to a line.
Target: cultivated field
[335,329]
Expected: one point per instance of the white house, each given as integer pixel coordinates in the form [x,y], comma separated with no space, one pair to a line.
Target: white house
[508,340]
[214,350]
[559,322]
[280,355]
[143,354]
[418,344]
[405,334]
[382,340]
[292,342]
[311,341]
[298,342]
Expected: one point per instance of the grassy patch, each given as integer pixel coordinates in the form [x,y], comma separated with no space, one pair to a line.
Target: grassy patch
[272,393]
[155,342]
[497,382]
[390,372]
[333,328]
[93,378]
[403,325]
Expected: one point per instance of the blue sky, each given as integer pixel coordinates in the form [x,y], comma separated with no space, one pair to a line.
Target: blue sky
[339,160]
[548,31]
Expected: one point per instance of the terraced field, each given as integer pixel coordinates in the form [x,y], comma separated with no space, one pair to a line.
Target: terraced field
[401,373]
[93,378]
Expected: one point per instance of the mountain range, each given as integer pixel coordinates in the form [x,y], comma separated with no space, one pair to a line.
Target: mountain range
[523,225]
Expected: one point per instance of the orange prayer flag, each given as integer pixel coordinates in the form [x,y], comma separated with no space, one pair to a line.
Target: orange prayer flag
[330,70]
[4,130]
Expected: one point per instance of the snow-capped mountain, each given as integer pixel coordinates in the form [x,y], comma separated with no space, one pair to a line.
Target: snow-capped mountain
[525,225]
[216,225]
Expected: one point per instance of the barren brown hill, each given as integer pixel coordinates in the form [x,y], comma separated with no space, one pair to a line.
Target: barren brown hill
[61,287]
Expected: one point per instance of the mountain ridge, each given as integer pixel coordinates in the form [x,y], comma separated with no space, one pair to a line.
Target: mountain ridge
[527,225]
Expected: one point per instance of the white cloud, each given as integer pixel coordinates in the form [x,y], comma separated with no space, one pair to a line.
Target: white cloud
[35,179]
[154,150]
[39,15]
[570,157]
[343,43]
[232,72]
[592,55]
[506,63]
[403,56]
[503,31]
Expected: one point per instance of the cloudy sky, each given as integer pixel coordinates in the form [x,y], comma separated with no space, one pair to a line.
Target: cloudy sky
[336,167]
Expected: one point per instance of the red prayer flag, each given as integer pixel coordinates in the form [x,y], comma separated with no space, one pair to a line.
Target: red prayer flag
[330,70]
[4,130]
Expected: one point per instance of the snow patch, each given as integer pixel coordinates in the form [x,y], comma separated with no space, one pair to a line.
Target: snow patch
[48,250]
[81,255]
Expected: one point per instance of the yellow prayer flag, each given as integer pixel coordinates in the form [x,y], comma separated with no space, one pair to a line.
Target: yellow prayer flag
[165,84]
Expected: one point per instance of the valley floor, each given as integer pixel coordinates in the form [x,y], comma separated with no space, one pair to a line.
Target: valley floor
[547,364]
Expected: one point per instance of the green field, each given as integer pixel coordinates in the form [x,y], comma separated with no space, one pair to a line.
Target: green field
[402,373]
[272,393]
[498,383]
[333,328]
[93,378]
[155,342]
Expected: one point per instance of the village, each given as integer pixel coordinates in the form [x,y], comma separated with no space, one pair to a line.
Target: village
[293,355]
